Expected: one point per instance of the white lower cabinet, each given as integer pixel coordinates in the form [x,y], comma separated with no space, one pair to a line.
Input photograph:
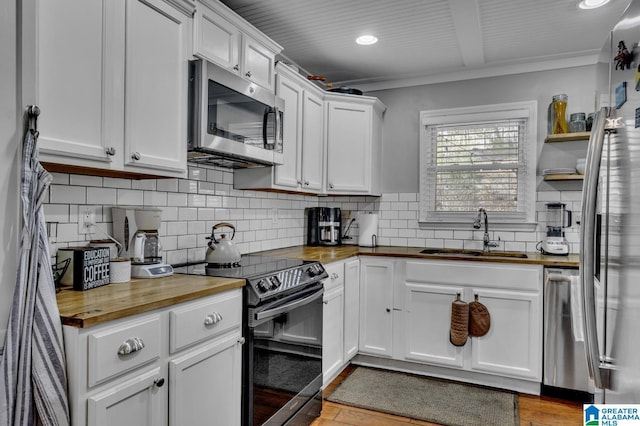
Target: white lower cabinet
[351,308]
[405,315]
[126,372]
[376,306]
[511,293]
[427,321]
[340,317]
[138,401]
[333,323]
[205,385]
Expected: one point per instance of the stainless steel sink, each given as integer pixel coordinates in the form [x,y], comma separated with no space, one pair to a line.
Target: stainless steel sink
[473,253]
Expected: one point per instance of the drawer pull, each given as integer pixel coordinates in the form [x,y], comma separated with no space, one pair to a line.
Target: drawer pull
[130,346]
[159,382]
[212,318]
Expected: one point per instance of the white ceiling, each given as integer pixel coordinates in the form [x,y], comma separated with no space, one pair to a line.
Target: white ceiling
[423,41]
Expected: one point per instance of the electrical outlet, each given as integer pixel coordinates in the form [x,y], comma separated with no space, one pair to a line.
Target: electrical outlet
[86,221]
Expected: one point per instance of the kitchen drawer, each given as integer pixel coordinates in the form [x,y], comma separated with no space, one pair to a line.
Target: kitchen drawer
[336,275]
[195,322]
[479,274]
[122,348]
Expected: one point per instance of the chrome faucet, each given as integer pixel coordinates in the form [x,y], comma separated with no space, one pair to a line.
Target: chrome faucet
[487,243]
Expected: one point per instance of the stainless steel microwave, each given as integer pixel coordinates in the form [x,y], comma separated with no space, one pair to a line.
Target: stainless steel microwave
[232,122]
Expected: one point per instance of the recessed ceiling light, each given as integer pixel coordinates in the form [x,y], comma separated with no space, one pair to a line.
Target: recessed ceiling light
[592,4]
[366,40]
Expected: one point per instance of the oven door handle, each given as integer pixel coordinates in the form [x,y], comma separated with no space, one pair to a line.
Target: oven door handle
[274,312]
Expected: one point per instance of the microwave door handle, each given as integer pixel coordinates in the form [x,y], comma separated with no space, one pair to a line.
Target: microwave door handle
[265,121]
[587,241]
[278,133]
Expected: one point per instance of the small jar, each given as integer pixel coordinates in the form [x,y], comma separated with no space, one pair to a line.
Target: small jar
[589,121]
[578,122]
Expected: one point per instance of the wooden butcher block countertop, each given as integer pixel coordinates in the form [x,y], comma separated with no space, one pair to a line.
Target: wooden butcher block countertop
[328,254]
[115,301]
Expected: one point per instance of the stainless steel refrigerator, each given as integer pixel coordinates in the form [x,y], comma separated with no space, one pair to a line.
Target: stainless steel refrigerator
[610,229]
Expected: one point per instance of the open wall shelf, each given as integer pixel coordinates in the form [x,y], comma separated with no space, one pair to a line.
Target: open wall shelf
[568,137]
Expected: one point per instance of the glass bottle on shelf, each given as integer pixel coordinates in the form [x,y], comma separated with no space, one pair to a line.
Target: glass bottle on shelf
[557,115]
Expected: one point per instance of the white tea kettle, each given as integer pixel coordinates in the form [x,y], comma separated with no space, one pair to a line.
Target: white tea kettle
[222,252]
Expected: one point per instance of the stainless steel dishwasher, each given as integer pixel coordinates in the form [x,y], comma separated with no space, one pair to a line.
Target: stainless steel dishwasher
[565,372]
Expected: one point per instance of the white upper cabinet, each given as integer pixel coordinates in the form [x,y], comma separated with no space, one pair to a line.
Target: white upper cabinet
[94,69]
[303,138]
[216,39]
[353,144]
[226,39]
[156,48]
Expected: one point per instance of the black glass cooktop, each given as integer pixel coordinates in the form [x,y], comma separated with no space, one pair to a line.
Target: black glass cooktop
[251,265]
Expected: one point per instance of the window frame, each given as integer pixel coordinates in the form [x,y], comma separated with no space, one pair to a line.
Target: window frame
[524,220]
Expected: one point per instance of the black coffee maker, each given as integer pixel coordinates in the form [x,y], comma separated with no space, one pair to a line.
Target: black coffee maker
[324,226]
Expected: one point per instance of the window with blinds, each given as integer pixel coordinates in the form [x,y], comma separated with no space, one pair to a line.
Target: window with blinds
[476,159]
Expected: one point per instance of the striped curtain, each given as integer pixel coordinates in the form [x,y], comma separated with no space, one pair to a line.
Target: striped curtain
[33,390]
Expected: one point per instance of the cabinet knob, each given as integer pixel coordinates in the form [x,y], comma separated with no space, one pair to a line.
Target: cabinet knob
[212,318]
[130,346]
[388,310]
[248,74]
[299,182]
[236,67]
[135,155]
[331,185]
[241,340]
[159,382]
[111,151]
[306,183]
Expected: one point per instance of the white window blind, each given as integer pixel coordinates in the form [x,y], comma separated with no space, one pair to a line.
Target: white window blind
[477,159]
[477,165]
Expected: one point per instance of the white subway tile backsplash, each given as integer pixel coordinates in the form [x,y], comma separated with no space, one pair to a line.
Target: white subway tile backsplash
[85,180]
[155,198]
[177,199]
[187,213]
[196,200]
[186,186]
[177,228]
[60,178]
[144,184]
[167,185]
[186,241]
[66,194]
[56,213]
[117,183]
[101,196]
[207,188]
[264,220]
[129,197]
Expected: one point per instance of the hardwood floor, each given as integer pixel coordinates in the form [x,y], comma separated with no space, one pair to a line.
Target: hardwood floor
[534,411]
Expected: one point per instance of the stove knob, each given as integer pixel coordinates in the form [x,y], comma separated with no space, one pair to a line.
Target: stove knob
[311,271]
[275,283]
[263,285]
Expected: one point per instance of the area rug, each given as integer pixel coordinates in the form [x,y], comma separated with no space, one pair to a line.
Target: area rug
[433,400]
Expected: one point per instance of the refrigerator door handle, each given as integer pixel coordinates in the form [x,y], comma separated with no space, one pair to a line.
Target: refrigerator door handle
[587,244]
